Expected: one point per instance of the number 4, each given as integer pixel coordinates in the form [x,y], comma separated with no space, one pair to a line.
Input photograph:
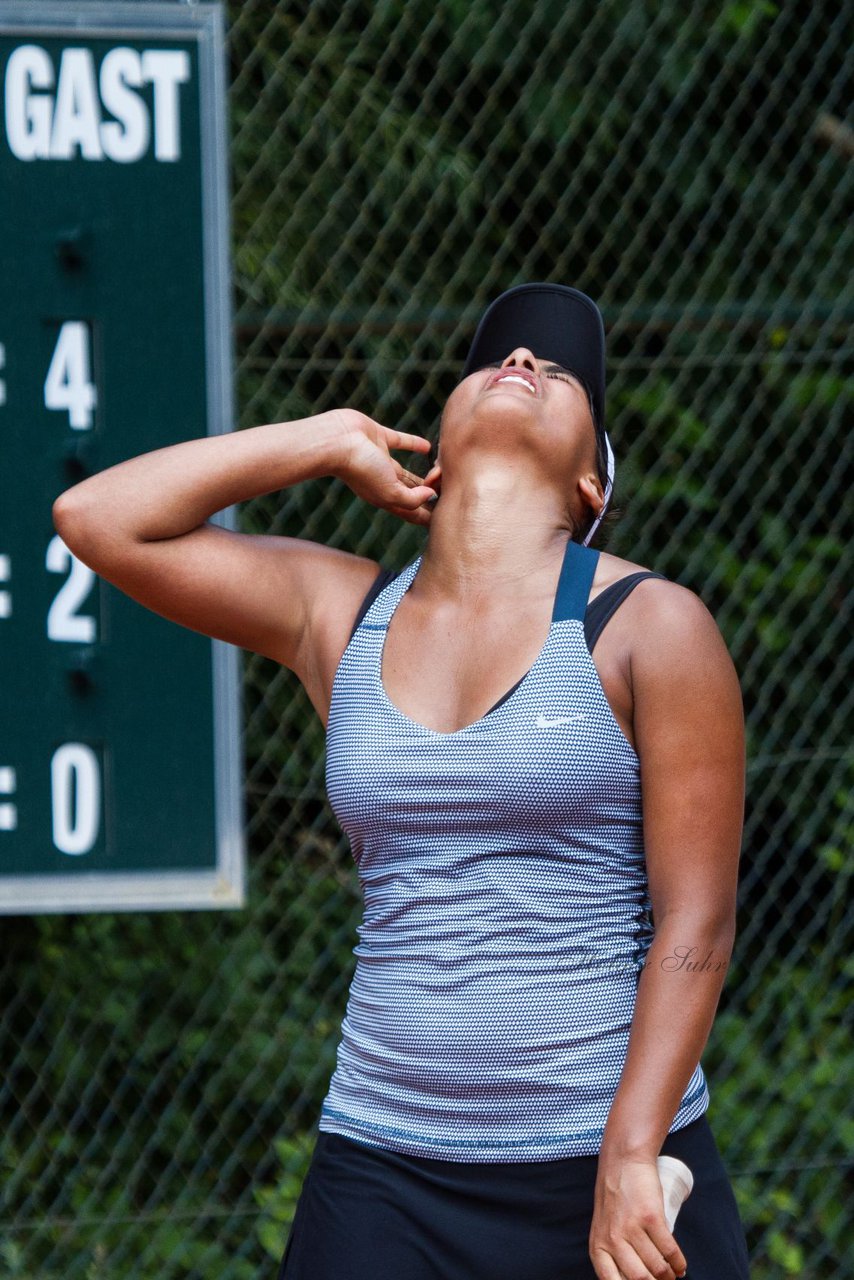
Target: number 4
[68,385]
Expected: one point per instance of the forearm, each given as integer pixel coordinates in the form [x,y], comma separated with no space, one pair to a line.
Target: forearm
[678,994]
[170,491]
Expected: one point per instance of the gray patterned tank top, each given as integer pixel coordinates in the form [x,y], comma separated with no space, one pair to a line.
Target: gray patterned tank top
[506,906]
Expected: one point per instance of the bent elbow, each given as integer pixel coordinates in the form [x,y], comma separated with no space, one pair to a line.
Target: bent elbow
[83,529]
[70,519]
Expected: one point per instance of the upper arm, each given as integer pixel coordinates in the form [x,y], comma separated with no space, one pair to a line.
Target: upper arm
[689,732]
[262,593]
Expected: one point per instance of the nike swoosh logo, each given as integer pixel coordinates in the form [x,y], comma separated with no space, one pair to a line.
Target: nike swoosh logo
[553,722]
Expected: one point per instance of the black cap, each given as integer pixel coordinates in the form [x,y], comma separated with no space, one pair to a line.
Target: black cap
[553,321]
[556,323]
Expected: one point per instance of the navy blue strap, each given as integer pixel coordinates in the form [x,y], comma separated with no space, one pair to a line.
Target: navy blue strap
[381,581]
[576,579]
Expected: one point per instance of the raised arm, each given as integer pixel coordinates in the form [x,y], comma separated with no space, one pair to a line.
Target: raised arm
[143,526]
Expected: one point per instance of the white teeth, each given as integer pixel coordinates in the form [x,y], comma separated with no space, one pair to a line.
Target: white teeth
[512,377]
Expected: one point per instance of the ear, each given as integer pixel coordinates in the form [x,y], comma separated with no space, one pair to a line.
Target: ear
[590,489]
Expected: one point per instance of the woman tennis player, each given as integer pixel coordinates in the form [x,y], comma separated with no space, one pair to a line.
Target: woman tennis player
[537,752]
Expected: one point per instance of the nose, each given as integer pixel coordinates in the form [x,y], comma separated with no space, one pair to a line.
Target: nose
[521,358]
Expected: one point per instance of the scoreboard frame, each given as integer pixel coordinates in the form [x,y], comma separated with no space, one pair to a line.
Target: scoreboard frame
[220,883]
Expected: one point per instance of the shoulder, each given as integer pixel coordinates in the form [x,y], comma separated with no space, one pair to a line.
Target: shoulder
[340,581]
[662,601]
[612,568]
[672,629]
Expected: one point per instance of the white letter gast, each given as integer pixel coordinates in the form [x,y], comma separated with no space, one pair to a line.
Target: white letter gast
[60,114]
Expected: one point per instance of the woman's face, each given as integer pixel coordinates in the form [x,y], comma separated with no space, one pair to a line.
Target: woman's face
[523,407]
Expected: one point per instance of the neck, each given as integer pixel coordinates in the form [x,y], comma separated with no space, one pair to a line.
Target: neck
[491,533]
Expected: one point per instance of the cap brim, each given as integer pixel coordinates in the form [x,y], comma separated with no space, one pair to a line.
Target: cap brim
[555,322]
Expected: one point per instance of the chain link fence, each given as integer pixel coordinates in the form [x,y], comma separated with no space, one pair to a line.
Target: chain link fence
[396,164]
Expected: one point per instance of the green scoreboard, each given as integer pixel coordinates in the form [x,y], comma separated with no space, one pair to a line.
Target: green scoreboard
[120,767]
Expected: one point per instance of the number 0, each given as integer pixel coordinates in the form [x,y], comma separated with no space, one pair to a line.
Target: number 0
[75,785]
[68,385]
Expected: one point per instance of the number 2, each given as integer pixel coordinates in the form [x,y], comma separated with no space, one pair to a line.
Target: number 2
[63,622]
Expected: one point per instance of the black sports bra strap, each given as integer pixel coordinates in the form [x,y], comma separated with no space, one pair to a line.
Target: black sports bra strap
[605,605]
[383,578]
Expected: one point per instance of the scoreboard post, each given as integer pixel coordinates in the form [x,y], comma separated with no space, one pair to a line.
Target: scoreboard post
[120,767]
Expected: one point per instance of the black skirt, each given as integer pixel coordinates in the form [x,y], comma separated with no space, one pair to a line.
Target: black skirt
[366,1213]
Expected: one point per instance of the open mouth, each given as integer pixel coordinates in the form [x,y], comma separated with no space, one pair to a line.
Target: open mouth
[518,377]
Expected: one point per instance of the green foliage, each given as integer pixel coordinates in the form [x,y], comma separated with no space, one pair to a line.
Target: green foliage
[279,1199]
[789,1093]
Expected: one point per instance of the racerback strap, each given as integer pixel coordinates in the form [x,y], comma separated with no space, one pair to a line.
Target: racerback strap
[575,581]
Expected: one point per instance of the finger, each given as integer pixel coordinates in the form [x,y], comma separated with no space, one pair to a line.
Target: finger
[665,1243]
[636,1261]
[605,1266]
[629,1265]
[432,480]
[414,497]
[420,516]
[401,440]
[654,1259]
[411,479]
